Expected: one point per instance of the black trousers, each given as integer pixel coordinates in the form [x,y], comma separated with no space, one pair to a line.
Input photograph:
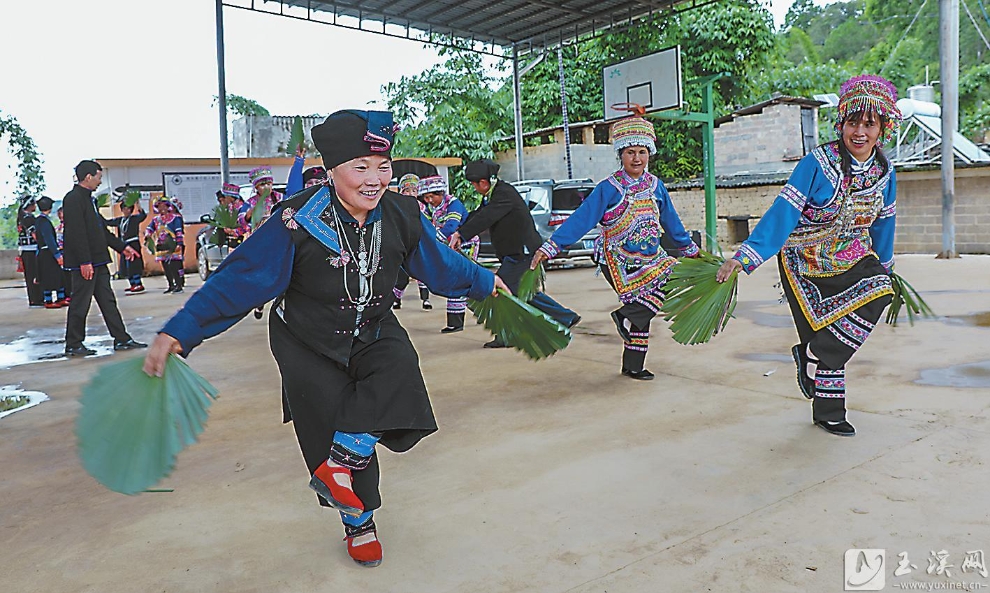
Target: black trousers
[171,268]
[29,259]
[83,293]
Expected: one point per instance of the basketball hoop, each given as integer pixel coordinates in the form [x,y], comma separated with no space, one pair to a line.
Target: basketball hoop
[632,108]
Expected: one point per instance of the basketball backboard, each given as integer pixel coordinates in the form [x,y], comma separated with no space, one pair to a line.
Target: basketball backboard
[652,81]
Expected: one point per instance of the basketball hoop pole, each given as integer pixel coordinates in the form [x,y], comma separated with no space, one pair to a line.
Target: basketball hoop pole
[707,120]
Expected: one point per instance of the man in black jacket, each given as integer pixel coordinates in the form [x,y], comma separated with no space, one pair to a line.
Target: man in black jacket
[513,232]
[85,254]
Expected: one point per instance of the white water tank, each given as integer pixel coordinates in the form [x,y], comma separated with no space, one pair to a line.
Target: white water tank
[922,92]
[911,107]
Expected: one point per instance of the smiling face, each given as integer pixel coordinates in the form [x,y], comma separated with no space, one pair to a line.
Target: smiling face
[634,160]
[860,132]
[360,184]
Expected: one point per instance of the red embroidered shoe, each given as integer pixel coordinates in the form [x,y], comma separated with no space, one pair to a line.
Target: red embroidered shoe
[364,548]
[333,483]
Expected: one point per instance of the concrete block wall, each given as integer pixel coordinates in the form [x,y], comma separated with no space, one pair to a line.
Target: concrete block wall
[549,161]
[8,264]
[761,141]
[919,210]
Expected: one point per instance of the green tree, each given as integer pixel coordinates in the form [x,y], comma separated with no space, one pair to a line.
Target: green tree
[30,176]
[801,14]
[798,47]
[241,106]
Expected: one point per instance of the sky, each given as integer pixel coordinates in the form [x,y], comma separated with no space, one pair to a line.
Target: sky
[126,78]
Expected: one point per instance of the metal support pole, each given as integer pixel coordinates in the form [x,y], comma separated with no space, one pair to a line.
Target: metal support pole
[222,103]
[949,63]
[517,112]
[708,166]
[563,107]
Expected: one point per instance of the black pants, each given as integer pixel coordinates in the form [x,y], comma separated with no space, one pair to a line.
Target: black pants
[171,268]
[29,259]
[83,292]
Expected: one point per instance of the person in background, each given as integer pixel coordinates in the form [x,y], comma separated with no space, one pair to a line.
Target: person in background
[832,230]
[27,250]
[86,254]
[166,232]
[631,206]
[298,178]
[229,197]
[264,196]
[129,230]
[409,186]
[514,236]
[60,240]
[447,213]
[49,256]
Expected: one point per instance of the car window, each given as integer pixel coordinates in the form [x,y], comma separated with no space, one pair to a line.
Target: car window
[569,198]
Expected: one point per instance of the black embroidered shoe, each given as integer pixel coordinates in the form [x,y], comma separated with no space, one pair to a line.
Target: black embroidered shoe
[641,375]
[841,428]
[806,383]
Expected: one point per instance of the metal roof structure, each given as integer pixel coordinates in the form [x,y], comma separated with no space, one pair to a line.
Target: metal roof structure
[502,28]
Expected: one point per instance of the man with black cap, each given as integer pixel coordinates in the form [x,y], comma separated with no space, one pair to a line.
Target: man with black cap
[85,253]
[329,257]
[27,249]
[513,232]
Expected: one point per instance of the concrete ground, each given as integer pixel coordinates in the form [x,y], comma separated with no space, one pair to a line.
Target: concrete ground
[558,476]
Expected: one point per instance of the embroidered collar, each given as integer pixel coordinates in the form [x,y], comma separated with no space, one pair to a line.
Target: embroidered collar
[859,168]
[311,218]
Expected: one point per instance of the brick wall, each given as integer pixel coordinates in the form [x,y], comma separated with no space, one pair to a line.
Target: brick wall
[919,209]
[760,142]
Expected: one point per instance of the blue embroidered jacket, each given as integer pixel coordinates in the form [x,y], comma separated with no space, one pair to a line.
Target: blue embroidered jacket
[830,220]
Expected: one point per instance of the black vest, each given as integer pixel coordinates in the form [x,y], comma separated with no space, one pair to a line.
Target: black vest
[25,230]
[316,307]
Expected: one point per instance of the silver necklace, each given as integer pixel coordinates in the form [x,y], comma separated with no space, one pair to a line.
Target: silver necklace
[368,260]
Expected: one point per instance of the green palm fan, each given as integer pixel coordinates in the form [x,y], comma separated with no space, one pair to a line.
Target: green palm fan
[296,136]
[222,218]
[132,426]
[103,200]
[258,213]
[696,305]
[531,283]
[521,325]
[906,297]
[132,197]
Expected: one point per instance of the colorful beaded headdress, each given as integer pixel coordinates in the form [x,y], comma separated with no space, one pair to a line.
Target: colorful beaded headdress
[260,175]
[633,130]
[869,94]
[175,204]
[409,181]
[231,190]
[434,184]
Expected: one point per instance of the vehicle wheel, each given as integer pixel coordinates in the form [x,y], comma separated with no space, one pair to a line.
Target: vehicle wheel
[202,264]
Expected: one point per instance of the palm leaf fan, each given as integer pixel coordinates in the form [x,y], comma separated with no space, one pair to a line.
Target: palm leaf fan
[296,136]
[257,213]
[696,305]
[521,325]
[531,283]
[132,426]
[906,297]
[132,197]
[223,217]
[149,242]
[103,200]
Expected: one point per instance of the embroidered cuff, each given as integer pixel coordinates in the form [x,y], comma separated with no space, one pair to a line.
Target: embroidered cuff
[748,257]
[888,211]
[691,250]
[550,249]
[888,265]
